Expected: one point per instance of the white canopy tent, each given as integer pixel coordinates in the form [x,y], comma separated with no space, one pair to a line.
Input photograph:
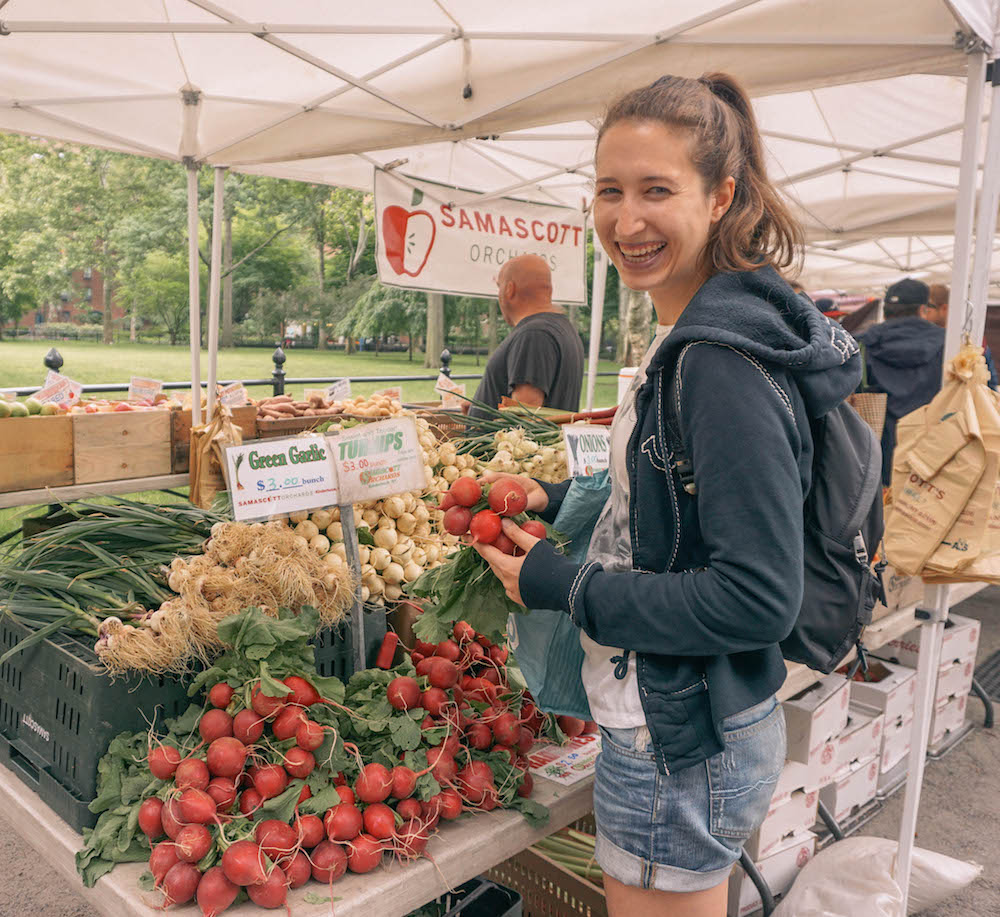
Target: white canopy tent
[215,83]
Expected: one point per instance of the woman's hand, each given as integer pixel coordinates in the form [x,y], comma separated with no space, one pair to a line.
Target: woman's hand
[506,567]
[538,499]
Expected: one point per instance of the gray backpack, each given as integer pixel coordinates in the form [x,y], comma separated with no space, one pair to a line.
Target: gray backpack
[843,521]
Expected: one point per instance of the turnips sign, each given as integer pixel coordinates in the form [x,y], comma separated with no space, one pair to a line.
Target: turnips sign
[427,241]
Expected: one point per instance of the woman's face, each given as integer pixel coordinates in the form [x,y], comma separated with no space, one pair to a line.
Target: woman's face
[652,213]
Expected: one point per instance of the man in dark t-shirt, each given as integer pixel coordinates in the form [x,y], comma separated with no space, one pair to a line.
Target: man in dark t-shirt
[541,361]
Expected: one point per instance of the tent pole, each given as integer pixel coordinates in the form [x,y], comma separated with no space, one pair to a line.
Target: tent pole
[194,293]
[596,317]
[213,286]
[929,660]
[989,200]
[965,204]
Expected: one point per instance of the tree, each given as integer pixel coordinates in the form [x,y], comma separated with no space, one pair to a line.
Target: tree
[273,310]
[158,288]
[381,310]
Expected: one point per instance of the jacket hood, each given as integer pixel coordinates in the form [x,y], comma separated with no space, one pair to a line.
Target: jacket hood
[904,343]
[759,313]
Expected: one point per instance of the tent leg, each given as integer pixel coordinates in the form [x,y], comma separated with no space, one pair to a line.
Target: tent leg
[989,201]
[596,318]
[965,203]
[194,293]
[931,634]
[213,286]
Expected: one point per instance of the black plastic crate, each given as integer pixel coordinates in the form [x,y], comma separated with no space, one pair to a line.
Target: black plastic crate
[59,710]
[479,897]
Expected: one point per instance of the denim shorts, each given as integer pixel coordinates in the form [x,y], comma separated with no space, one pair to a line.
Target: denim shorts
[683,832]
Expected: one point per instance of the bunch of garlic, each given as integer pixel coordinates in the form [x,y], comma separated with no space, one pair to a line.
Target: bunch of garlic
[517,454]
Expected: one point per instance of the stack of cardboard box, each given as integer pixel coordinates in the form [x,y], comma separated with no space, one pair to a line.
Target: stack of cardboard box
[960,644]
[859,749]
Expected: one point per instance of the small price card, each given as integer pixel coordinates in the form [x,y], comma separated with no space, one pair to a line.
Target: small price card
[140,389]
[269,476]
[449,391]
[376,460]
[233,395]
[588,448]
[568,763]
[339,390]
[395,393]
[59,389]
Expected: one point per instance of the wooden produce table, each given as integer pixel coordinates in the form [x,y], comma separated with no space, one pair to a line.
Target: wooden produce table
[464,848]
[103,489]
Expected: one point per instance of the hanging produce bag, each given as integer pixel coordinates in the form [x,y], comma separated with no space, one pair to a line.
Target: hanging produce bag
[945,471]
[208,455]
[546,643]
[870,405]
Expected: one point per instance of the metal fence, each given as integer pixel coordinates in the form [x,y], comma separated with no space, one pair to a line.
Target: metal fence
[278,380]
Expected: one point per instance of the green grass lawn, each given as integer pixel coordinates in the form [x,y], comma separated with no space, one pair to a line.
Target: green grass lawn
[21,365]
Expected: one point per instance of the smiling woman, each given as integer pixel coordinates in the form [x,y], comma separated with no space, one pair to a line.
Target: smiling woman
[694,570]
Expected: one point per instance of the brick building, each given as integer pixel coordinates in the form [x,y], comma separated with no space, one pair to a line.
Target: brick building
[84,294]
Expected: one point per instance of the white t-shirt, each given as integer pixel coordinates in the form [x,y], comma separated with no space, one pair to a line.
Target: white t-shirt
[614,701]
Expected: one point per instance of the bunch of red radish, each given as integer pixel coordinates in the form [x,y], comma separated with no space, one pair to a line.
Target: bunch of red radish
[219,786]
[468,511]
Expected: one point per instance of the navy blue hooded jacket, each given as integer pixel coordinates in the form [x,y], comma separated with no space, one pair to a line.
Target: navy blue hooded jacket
[904,359]
[717,576]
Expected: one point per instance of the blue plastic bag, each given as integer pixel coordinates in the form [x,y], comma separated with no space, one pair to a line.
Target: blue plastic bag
[545,643]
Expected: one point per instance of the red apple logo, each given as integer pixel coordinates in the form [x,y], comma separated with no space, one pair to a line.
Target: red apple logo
[408,236]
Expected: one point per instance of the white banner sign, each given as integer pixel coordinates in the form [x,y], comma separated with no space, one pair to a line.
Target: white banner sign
[587,449]
[270,476]
[376,460]
[428,241]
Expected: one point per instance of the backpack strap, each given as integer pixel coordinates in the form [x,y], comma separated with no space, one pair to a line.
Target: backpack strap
[680,462]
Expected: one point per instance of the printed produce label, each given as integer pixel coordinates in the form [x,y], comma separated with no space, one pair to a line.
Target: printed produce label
[269,476]
[376,460]
[339,390]
[449,391]
[395,393]
[233,395]
[436,237]
[140,389]
[588,449]
[567,763]
[59,390]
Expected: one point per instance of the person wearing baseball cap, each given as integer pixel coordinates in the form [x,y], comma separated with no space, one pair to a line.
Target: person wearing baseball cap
[903,356]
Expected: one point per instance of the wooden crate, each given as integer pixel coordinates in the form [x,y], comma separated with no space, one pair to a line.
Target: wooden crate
[36,452]
[118,445]
[180,449]
[547,888]
[268,429]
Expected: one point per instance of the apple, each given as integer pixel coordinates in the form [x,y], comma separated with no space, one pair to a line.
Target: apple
[408,237]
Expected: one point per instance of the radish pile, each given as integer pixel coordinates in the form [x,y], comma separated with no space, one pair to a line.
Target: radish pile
[282,776]
[468,510]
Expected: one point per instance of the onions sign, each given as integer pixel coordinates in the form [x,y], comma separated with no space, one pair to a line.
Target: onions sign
[433,237]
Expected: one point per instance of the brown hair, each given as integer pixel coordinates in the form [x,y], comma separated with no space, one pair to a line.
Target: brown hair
[937,295]
[758,228]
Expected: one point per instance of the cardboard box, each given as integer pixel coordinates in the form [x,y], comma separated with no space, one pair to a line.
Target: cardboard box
[119,445]
[890,688]
[960,641]
[36,452]
[790,817]
[853,787]
[891,780]
[779,871]
[794,776]
[895,743]
[814,717]
[954,678]
[948,717]
[901,591]
[862,736]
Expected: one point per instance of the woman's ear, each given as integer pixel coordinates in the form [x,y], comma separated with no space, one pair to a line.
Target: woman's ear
[722,198]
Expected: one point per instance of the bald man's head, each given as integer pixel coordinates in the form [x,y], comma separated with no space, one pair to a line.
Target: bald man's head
[524,286]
